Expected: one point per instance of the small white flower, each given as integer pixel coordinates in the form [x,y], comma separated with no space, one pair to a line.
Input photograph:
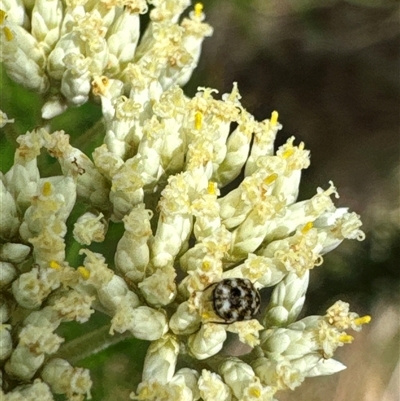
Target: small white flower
[31,288]
[8,274]
[65,379]
[73,306]
[133,253]
[23,364]
[38,390]
[159,289]
[6,345]
[4,119]
[279,374]
[89,228]
[207,341]
[112,294]
[184,320]
[161,360]
[9,221]
[238,375]
[143,322]
[190,378]
[5,311]
[212,387]
[14,252]
[286,301]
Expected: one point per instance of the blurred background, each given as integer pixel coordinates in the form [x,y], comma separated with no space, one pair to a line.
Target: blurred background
[332,70]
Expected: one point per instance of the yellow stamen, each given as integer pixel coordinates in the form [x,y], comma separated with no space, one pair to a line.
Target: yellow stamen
[85,273]
[255,392]
[3,16]
[54,265]
[270,179]
[198,9]
[206,315]
[46,190]
[274,118]
[307,227]
[8,33]
[287,153]
[362,320]
[346,339]
[211,188]
[205,266]
[198,119]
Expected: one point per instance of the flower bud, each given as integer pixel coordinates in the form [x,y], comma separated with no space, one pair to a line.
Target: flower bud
[184,320]
[89,228]
[9,221]
[286,301]
[23,364]
[65,379]
[159,289]
[5,342]
[14,252]
[237,375]
[143,322]
[110,294]
[207,341]
[7,274]
[161,359]
[36,391]
[190,378]
[5,309]
[213,388]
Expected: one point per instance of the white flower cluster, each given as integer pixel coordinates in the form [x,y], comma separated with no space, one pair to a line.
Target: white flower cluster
[61,47]
[160,172]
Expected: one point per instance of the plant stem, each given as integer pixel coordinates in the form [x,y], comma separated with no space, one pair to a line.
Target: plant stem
[89,344]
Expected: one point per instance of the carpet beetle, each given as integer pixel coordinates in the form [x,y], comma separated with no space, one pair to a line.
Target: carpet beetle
[235,299]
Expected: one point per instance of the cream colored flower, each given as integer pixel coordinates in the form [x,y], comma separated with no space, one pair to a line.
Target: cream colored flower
[75,383]
[212,387]
[190,256]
